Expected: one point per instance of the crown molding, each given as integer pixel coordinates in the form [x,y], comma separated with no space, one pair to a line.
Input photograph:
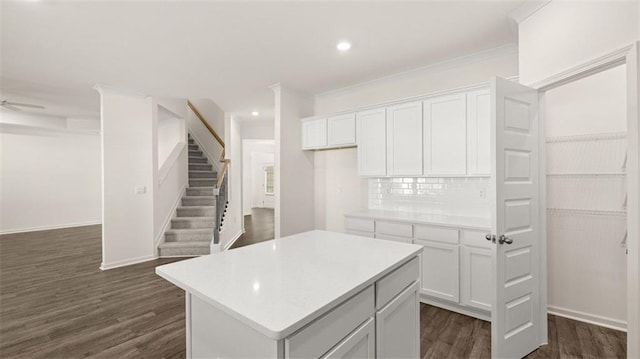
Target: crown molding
[436,67]
[527,9]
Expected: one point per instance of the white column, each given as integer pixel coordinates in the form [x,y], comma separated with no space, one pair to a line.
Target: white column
[294,183]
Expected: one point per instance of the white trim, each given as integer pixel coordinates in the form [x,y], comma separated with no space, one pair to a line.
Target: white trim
[588,318]
[171,161]
[454,307]
[437,67]
[170,216]
[103,88]
[233,240]
[599,64]
[527,9]
[214,163]
[127,262]
[46,228]
[16,129]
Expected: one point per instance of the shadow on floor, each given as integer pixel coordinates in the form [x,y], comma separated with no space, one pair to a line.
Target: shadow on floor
[259,227]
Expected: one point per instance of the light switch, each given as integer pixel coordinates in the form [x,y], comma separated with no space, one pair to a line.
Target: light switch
[141,189]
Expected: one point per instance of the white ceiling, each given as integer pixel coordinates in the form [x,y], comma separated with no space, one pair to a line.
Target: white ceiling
[230,51]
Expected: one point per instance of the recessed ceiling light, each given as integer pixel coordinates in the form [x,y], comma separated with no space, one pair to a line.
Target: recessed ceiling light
[255,113]
[343,46]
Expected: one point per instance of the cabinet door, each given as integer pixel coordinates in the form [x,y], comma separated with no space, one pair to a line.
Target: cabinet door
[359,344]
[404,140]
[479,132]
[372,143]
[341,130]
[398,326]
[445,134]
[314,133]
[440,270]
[476,284]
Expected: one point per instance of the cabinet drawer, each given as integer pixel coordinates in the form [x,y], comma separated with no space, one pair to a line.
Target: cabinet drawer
[394,238]
[359,344]
[475,239]
[394,229]
[360,233]
[445,235]
[393,283]
[359,224]
[320,336]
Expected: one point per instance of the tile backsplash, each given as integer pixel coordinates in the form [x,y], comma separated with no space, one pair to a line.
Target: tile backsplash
[462,196]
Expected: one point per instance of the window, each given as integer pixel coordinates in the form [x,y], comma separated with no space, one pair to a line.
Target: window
[268,180]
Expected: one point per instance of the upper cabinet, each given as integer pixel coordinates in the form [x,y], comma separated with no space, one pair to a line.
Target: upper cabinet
[314,133]
[404,139]
[479,132]
[372,142]
[438,136]
[341,130]
[445,136]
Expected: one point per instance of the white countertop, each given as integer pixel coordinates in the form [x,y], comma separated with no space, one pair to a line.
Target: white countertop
[278,286]
[425,218]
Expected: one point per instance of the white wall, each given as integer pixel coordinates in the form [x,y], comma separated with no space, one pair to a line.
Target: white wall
[215,117]
[338,188]
[48,179]
[564,34]
[294,172]
[127,166]
[170,175]
[257,130]
[249,180]
[232,227]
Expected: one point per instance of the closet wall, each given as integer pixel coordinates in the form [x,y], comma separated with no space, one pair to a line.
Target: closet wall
[586,192]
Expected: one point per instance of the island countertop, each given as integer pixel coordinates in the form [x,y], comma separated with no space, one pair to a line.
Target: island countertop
[279,286]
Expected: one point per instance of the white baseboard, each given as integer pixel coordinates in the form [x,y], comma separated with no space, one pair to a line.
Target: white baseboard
[588,318]
[45,228]
[170,216]
[127,262]
[471,312]
[233,240]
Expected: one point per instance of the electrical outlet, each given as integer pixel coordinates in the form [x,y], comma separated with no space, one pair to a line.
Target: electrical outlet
[483,193]
[141,189]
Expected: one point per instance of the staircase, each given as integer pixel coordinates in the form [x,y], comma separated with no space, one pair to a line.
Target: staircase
[192,230]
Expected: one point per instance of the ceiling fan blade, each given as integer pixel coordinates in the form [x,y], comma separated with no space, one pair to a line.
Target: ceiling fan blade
[9,107]
[23,104]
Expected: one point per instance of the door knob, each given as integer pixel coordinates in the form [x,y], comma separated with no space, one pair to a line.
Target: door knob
[490,237]
[504,239]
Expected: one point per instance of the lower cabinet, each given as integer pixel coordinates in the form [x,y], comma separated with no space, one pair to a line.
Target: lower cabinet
[396,324]
[440,270]
[476,277]
[359,344]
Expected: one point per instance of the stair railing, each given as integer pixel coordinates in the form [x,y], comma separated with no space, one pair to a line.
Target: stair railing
[221,189]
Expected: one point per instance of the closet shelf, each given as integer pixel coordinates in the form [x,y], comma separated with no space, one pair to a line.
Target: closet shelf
[589,137]
[591,212]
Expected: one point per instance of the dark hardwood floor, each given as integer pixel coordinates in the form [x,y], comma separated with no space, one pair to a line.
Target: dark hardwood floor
[56,303]
[259,227]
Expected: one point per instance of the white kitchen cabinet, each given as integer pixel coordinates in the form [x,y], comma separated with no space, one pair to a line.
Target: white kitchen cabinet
[445,136]
[314,133]
[341,130]
[372,142]
[479,132]
[359,344]
[475,278]
[440,270]
[404,139]
[395,325]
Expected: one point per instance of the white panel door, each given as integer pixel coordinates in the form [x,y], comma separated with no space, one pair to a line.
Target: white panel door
[445,135]
[479,132]
[440,270]
[314,133]
[341,130]
[372,142]
[398,326]
[515,320]
[404,139]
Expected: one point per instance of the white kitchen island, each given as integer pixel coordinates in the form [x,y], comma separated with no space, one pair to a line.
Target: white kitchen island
[312,295]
